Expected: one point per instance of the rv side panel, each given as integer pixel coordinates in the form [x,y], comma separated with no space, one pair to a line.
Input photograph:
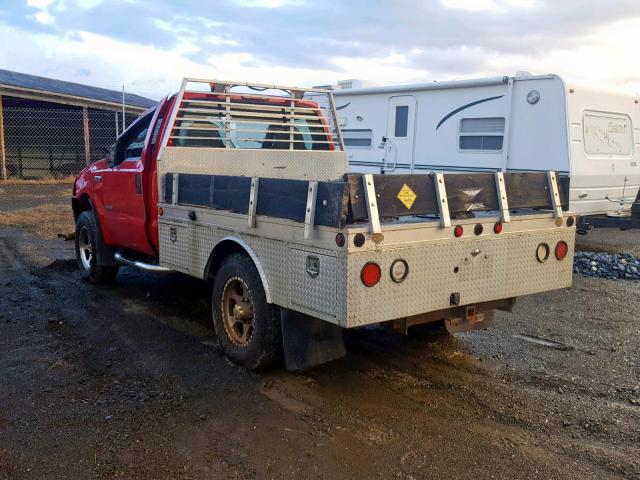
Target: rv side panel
[461,128]
[605,149]
[538,133]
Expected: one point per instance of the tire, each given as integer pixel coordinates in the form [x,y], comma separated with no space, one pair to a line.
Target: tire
[248,328]
[86,251]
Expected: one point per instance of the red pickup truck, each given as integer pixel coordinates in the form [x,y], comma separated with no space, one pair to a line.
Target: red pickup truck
[248,186]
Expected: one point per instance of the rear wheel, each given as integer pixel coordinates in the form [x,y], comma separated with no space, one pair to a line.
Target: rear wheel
[87,251]
[248,328]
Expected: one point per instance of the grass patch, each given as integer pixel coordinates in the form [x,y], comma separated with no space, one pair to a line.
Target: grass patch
[39,181]
[45,220]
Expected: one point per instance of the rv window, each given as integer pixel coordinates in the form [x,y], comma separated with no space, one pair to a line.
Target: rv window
[481,133]
[402,120]
[607,134]
[356,137]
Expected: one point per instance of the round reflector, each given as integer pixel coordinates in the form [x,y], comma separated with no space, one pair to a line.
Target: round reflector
[358,240]
[370,274]
[340,239]
[399,270]
[561,250]
[542,252]
[497,228]
[458,231]
[570,221]
[478,229]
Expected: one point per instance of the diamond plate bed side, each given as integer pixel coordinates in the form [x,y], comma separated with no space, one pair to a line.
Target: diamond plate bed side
[186,248]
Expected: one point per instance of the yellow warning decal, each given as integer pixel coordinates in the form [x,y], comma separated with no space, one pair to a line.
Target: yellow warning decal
[407,196]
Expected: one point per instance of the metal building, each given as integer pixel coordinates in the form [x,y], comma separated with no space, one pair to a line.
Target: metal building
[52,128]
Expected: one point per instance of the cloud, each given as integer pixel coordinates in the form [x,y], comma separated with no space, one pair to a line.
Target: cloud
[88,4]
[42,14]
[39,4]
[150,45]
[267,3]
[43,17]
[490,5]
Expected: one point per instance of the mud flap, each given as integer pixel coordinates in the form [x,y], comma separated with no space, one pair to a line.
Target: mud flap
[309,341]
[473,320]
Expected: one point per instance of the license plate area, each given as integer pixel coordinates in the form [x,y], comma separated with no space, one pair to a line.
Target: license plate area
[476,265]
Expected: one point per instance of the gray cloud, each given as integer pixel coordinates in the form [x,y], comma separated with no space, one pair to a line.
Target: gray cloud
[312,34]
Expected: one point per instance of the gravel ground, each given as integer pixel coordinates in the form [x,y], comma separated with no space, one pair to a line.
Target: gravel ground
[607,265]
[610,240]
[125,381]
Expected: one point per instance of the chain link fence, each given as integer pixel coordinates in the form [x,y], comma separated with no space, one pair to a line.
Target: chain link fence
[44,150]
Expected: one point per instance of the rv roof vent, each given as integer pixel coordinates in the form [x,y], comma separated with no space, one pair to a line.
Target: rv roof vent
[324,87]
[344,84]
[523,73]
[355,83]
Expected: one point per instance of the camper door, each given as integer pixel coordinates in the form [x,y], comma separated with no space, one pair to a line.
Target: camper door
[399,140]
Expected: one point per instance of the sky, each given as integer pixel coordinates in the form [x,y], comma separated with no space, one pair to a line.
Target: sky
[149,45]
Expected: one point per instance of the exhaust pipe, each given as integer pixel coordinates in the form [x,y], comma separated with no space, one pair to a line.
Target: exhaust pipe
[147,267]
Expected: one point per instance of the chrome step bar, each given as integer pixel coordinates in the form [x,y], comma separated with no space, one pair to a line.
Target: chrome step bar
[147,267]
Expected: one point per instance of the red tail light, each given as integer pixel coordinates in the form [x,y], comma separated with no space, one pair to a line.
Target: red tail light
[458,231]
[561,250]
[370,274]
[497,228]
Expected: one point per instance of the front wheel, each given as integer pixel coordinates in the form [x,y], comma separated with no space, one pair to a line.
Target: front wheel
[248,328]
[87,251]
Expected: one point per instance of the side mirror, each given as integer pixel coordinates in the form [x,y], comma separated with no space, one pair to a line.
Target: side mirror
[109,153]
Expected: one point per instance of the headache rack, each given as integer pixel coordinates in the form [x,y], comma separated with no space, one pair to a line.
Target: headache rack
[241,115]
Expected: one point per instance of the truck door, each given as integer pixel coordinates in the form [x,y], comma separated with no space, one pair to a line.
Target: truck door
[122,195]
[400,133]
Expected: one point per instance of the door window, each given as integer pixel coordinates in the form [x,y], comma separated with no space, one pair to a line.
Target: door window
[402,121]
[130,146]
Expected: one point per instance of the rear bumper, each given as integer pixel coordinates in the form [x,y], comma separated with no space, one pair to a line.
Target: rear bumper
[488,268]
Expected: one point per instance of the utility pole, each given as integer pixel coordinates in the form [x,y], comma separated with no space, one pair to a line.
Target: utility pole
[123,122]
[3,153]
[87,138]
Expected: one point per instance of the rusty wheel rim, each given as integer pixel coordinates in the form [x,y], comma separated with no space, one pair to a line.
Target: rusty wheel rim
[237,312]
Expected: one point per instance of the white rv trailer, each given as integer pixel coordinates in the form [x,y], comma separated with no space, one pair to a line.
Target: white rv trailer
[521,123]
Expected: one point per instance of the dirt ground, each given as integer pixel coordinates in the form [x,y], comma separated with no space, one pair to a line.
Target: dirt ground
[125,381]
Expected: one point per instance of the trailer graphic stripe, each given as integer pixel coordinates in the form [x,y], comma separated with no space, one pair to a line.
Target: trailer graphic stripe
[464,107]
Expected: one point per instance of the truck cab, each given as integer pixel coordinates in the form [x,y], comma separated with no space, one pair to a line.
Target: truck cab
[120,189]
